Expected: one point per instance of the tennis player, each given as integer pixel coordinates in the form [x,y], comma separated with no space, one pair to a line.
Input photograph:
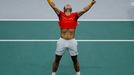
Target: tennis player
[68,24]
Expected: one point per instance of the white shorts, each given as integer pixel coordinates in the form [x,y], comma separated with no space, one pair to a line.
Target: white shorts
[70,45]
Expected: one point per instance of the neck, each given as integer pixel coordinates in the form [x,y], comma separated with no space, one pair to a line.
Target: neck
[67,13]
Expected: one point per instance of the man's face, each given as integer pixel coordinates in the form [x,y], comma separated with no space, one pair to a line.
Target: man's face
[68,9]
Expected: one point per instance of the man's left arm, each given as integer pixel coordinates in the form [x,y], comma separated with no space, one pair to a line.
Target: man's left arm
[86,8]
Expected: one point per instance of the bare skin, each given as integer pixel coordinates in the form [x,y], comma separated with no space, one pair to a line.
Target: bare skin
[68,33]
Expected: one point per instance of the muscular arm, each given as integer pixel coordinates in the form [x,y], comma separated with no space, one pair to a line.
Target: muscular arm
[53,5]
[86,8]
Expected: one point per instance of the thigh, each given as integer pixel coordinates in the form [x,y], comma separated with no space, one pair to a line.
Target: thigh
[60,47]
[73,48]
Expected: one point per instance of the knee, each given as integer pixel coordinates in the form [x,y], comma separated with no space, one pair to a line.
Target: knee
[56,62]
[75,61]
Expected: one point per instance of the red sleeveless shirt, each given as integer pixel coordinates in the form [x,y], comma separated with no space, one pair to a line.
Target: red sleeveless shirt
[68,22]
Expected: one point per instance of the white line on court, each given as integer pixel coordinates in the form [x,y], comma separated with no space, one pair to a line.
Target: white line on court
[21,40]
[57,20]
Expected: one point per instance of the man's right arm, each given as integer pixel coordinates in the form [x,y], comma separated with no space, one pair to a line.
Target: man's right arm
[53,5]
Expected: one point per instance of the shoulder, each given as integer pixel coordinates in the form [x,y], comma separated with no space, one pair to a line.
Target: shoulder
[75,13]
[61,13]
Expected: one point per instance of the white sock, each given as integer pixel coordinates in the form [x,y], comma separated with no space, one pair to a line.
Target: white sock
[53,73]
[77,73]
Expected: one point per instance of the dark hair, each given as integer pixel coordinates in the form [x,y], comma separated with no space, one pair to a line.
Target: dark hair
[68,9]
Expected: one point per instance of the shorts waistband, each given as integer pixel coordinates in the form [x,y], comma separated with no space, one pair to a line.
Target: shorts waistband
[65,39]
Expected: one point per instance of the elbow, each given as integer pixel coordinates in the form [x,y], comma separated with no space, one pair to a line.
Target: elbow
[85,10]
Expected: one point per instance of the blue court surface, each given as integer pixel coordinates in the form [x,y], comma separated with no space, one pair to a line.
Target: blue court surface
[96,58]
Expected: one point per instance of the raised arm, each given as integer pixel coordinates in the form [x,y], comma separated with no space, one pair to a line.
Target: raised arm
[52,4]
[86,8]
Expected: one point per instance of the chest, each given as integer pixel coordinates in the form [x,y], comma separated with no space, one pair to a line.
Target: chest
[69,17]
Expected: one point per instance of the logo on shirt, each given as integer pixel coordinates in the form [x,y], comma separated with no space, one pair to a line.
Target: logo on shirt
[68,18]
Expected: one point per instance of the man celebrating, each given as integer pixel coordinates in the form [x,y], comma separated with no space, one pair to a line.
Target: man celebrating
[68,23]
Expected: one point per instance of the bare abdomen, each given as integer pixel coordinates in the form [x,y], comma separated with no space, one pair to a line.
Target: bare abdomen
[67,33]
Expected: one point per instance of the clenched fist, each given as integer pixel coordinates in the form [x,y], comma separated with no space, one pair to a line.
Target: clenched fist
[93,1]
